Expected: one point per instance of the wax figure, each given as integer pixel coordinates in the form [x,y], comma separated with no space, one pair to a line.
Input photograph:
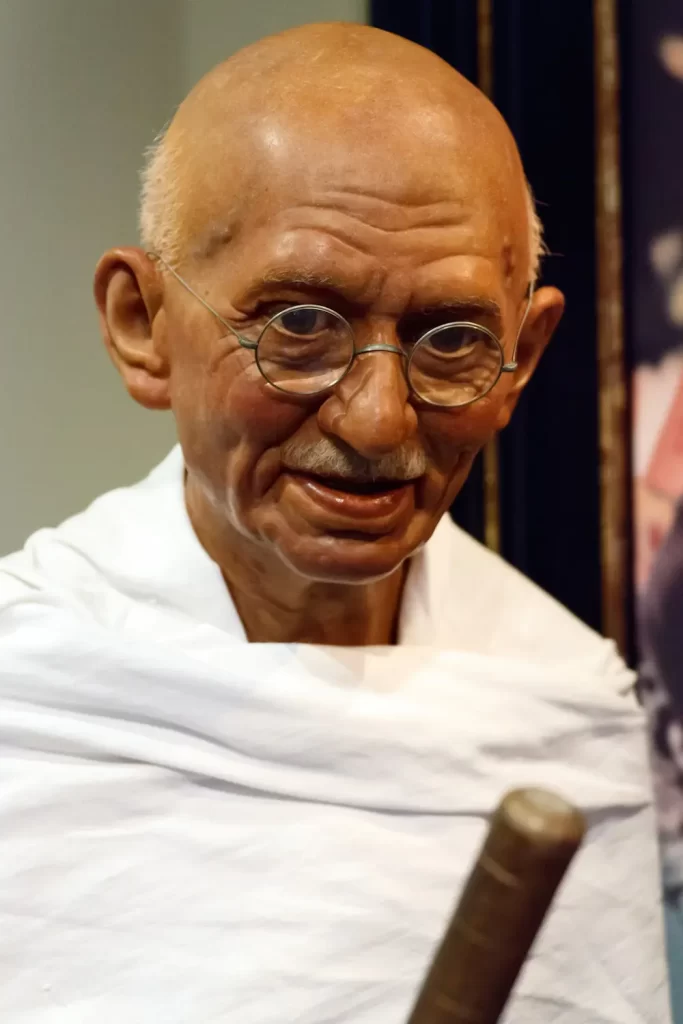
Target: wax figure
[256,710]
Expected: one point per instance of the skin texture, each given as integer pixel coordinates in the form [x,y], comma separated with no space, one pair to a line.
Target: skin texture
[339,165]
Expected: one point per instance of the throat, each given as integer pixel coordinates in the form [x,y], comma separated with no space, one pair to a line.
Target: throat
[333,615]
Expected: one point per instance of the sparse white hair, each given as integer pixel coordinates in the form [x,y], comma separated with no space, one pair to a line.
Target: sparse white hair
[159,200]
[161,204]
[537,247]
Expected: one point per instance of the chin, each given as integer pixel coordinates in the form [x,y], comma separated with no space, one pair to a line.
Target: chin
[346,560]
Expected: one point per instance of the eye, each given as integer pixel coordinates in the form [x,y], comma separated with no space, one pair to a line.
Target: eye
[304,322]
[456,342]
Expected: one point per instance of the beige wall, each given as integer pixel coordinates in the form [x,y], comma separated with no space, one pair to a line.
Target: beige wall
[84,87]
[215,28]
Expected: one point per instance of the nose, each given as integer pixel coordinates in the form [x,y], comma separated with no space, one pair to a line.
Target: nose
[369,409]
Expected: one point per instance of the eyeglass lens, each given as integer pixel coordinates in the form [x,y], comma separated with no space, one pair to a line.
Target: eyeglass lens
[307,349]
[454,365]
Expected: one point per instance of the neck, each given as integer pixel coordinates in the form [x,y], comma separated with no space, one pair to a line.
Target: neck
[276,605]
[292,610]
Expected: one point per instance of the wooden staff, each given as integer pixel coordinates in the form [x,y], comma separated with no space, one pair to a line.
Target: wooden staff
[532,838]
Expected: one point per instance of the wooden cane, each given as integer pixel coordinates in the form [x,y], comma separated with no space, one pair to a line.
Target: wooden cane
[532,838]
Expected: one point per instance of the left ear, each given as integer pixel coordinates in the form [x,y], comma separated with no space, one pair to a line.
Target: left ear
[545,313]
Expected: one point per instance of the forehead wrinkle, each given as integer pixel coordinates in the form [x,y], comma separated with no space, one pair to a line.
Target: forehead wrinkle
[465,281]
[435,296]
[349,236]
[331,249]
[333,266]
[313,244]
[378,212]
[356,288]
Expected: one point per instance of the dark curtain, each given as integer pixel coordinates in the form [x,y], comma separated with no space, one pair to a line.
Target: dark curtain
[549,473]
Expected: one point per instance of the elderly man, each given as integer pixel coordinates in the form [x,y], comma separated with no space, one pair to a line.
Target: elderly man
[256,710]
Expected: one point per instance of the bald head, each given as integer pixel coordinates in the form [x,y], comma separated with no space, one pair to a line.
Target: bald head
[329,107]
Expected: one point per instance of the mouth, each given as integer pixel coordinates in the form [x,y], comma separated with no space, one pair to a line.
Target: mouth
[343,498]
[366,488]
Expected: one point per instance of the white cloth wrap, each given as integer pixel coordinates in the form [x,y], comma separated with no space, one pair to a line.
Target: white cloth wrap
[198,829]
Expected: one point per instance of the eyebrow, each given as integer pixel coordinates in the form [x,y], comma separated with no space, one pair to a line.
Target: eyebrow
[302,280]
[476,304]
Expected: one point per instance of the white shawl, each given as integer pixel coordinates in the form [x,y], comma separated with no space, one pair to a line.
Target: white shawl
[197,829]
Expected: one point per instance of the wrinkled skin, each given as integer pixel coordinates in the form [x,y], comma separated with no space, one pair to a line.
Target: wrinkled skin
[343,166]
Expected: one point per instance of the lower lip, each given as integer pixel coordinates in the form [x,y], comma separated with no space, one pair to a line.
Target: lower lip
[358,506]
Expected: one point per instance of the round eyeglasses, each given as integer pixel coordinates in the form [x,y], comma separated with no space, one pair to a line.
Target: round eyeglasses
[308,349]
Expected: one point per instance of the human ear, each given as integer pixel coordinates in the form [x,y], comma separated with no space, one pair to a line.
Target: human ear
[129,299]
[543,316]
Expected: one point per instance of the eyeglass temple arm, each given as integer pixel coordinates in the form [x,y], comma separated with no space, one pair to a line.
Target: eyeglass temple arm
[244,342]
[512,365]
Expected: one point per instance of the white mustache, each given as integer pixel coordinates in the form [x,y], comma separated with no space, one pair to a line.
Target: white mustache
[329,458]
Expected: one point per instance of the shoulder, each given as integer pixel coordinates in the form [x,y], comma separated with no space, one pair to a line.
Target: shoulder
[109,538]
[130,556]
[477,602]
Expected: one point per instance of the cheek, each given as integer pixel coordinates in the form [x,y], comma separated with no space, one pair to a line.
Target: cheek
[454,437]
[449,432]
[229,419]
[228,400]
[255,411]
